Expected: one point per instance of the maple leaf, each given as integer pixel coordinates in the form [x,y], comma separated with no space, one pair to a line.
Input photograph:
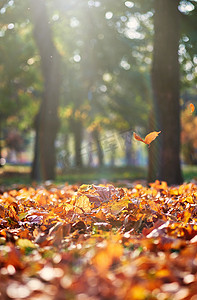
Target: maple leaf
[148,138]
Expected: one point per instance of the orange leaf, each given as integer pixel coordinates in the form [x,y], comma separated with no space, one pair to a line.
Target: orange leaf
[151,137]
[192,107]
[107,256]
[138,138]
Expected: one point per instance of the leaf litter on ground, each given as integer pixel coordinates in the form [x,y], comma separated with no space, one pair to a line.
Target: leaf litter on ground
[99,242]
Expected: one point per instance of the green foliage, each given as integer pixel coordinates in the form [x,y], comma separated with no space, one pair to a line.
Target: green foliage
[106,49]
[20,78]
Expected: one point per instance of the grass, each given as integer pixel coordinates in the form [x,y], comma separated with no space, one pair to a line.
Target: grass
[10,175]
[20,175]
[89,175]
[190,173]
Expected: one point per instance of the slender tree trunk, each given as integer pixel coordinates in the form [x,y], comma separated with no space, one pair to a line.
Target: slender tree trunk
[78,137]
[96,136]
[128,149]
[47,121]
[90,151]
[153,151]
[165,81]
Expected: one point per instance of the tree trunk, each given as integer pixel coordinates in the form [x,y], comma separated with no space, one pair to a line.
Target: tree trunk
[77,128]
[128,149]
[90,151]
[1,165]
[165,81]
[153,151]
[47,121]
[96,136]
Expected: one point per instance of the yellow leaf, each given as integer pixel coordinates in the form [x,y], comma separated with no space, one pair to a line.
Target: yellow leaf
[82,204]
[151,137]
[137,292]
[25,243]
[106,256]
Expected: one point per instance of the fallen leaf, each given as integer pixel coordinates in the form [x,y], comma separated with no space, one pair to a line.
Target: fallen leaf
[82,204]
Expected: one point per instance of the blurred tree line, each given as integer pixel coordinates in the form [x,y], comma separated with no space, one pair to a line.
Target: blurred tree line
[69,67]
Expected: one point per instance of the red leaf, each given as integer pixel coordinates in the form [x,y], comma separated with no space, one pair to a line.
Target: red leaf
[138,138]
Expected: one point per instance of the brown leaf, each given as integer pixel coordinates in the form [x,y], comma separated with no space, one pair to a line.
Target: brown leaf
[13,210]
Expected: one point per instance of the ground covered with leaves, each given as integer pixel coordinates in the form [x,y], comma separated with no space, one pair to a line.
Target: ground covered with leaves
[99,242]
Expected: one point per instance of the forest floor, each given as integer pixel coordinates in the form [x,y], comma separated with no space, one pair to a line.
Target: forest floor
[126,240]
[99,242]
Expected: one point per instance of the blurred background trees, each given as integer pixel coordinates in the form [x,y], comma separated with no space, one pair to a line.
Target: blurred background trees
[103,52]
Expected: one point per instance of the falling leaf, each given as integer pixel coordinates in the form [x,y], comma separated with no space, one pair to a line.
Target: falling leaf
[148,138]
[138,138]
[151,137]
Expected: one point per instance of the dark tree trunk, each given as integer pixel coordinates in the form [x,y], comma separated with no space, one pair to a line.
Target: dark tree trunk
[1,165]
[47,121]
[153,151]
[128,149]
[165,81]
[90,151]
[97,139]
[78,137]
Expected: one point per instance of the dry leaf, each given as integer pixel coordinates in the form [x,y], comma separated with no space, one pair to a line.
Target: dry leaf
[149,137]
[138,138]
[82,204]
[99,241]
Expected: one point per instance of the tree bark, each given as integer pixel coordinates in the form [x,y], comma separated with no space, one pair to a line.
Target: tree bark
[1,165]
[97,139]
[165,82]
[153,151]
[47,121]
[77,128]
[128,149]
